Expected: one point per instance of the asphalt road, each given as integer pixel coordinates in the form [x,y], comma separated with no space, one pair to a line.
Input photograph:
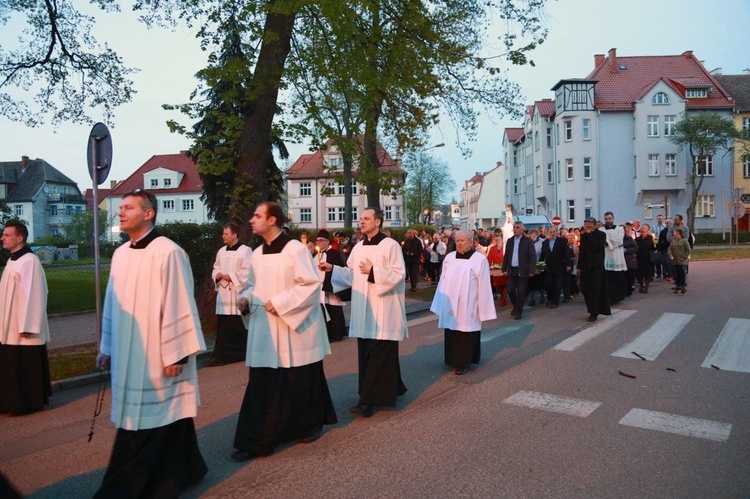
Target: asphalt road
[558,408]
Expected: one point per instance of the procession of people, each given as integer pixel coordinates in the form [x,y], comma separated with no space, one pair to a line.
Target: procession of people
[279,307]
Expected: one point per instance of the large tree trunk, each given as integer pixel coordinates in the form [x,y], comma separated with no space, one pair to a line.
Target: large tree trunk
[256,169]
[371,159]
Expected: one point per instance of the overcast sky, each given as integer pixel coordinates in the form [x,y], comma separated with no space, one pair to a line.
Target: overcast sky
[716,32]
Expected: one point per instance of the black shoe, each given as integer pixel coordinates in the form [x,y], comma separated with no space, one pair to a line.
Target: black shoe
[241,456]
[645,289]
[213,363]
[517,317]
[461,372]
[312,437]
[361,410]
[592,318]
[554,305]
[682,290]
[532,303]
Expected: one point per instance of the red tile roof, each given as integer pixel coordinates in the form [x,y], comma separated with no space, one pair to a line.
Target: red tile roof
[619,88]
[89,197]
[546,107]
[514,134]
[311,165]
[191,182]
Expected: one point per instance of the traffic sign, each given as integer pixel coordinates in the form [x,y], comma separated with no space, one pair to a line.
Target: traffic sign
[737,210]
[99,153]
[556,221]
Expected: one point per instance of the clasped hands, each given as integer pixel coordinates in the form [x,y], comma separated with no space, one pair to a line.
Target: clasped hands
[364,266]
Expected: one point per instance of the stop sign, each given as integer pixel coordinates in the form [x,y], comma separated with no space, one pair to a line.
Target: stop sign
[556,221]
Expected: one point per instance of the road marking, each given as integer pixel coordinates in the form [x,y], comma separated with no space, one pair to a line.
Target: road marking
[731,351]
[497,332]
[422,320]
[553,403]
[592,332]
[681,425]
[655,339]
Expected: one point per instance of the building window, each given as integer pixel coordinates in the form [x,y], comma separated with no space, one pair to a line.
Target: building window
[342,214]
[387,213]
[652,126]
[569,169]
[538,176]
[568,130]
[188,205]
[18,209]
[331,214]
[167,182]
[305,189]
[571,210]
[670,165]
[515,186]
[507,188]
[669,122]
[586,129]
[354,214]
[537,141]
[558,171]
[647,211]
[305,215]
[68,210]
[746,123]
[549,173]
[397,212]
[579,96]
[515,157]
[331,187]
[154,183]
[746,166]
[587,207]
[660,99]
[557,134]
[167,205]
[653,165]
[587,168]
[53,209]
[336,163]
[705,206]
[354,188]
[704,165]
[549,137]
[696,93]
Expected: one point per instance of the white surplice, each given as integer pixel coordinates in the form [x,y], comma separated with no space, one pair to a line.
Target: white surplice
[377,309]
[614,253]
[236,264]
[150,321]
[463,298]
[23,306]
[296,336]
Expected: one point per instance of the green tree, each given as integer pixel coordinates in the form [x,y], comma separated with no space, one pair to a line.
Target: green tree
[6,213]
[58,61]
[80,229]
[428,185]
[703,135]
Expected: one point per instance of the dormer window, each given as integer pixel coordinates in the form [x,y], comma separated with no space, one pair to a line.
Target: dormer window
[154,183]
[167,183]
[696,93]
[660,99]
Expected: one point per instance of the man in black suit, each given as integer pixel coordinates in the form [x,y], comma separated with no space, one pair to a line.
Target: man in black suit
[591,268]
[519,262]
[556,255]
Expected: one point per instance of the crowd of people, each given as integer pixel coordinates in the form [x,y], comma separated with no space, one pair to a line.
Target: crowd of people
[279,306]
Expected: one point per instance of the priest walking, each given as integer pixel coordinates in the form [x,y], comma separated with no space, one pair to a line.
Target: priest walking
[151,334]
[462,301]
[24,332]
[230,272]
[287,396]
[333,303]
[375,271]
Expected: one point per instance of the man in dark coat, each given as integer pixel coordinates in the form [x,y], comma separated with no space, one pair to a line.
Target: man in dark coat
[591,267]
[412,252]
[556,255]
[519,262]
[334,304]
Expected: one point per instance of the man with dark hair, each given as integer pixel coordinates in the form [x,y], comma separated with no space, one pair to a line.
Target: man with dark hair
[230,272]
[519,262]
[614,259]
[287,396]
[333,303]
[591,268]
[151,334]
[24,331]
[375,271]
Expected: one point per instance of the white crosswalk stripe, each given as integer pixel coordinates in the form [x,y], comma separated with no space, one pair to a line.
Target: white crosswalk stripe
[553,403]
[592,332]
[681,425]
[649,344]
[731,351]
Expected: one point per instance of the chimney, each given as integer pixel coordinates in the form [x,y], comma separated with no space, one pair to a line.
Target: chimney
[598,59]
[612,60]
[688,53]
[746,71]
[112,184]
[24,163]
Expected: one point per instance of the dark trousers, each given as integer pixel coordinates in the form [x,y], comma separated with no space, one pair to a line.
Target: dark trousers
[413,269]
[518,286]
[553,284]
[679,275]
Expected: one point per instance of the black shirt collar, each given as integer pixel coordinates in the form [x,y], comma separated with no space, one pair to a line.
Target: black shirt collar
[145,240]
[374,240]
[18,254]
[234,248]
[465,256]
[277,244]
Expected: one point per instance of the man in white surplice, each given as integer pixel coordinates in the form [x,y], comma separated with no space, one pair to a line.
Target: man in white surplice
[614,259]
[151,335]
[375,271]
[462,301]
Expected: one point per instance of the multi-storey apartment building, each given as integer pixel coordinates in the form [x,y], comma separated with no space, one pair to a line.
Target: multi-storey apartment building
[610,147]
[481,202]
[316,200]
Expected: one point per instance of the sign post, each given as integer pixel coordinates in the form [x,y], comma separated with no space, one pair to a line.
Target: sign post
[99,159]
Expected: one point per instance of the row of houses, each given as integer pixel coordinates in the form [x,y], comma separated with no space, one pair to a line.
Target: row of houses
[602,143]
